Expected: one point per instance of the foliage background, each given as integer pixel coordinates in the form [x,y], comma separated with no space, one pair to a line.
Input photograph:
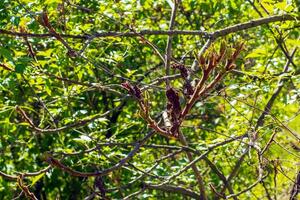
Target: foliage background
[56,89]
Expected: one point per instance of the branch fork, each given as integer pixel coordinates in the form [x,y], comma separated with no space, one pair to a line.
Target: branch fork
[175,114]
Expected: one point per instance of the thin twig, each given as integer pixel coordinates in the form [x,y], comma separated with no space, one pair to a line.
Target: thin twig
[54,130]
[248,188]
[169,42]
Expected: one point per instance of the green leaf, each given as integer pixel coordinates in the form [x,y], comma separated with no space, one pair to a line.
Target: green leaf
[36,178]
[46,53]
[6,54]
[48,87]
[130,72]
[83,139]
[257,53]
[20,68]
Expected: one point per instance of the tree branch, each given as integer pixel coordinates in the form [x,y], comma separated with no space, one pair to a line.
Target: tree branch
[53,130]
[172,189]
[56,163]
[169,42]
[216,34]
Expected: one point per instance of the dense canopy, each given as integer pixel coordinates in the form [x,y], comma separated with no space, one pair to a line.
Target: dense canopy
[119,99]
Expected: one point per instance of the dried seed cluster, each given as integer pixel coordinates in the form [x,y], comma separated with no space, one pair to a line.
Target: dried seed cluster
[175,113]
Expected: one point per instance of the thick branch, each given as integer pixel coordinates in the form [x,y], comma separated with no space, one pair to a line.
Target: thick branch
[194,167]
[216,34]
[55,163]
[26,174]
[252,24]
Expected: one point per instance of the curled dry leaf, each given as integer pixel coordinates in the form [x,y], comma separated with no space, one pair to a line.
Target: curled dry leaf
[173,99]
[188,88]
[183,70]
[174,110]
